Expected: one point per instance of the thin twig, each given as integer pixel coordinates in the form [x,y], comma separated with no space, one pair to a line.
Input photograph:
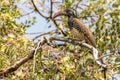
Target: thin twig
[54,21]
[34,58]
[27,13]
[38,10]
[105,56]
[51,8]
[77,5]
[34,33]
[53,31]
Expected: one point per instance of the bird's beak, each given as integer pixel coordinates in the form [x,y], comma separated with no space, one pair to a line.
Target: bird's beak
[62,12]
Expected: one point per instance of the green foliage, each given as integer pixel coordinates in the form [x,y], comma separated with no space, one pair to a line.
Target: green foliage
[13,46]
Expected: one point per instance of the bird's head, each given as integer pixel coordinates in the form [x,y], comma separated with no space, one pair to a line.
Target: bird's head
[67,12]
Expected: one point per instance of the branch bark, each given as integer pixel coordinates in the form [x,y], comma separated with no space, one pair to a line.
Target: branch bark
[31,55]
[93,50]
[21,62]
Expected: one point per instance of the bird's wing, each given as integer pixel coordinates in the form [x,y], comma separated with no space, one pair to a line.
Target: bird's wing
[85,30]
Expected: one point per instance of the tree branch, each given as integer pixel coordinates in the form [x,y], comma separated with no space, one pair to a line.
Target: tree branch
[38,10]
[93,50]
[51,8]
[53,31]
[21,62]
[32,54]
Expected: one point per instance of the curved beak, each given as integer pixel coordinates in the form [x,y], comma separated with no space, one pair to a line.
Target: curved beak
[62,12]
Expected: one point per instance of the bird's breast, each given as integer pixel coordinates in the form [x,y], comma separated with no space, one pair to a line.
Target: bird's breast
[76,34]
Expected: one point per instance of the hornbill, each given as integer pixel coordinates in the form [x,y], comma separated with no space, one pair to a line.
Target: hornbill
[77,28]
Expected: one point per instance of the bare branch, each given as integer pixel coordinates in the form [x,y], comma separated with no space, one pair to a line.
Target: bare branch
[34,33]
[54,21]
[27,13]
[53,31]
[77,5]
[51,8]
[38,10]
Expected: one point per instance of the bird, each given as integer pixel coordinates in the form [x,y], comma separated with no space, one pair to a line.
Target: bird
[77,28]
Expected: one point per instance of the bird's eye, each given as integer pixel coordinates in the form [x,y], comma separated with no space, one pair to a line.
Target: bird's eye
[70,12]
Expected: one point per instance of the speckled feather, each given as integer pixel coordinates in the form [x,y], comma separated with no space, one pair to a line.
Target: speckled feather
[80,31]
